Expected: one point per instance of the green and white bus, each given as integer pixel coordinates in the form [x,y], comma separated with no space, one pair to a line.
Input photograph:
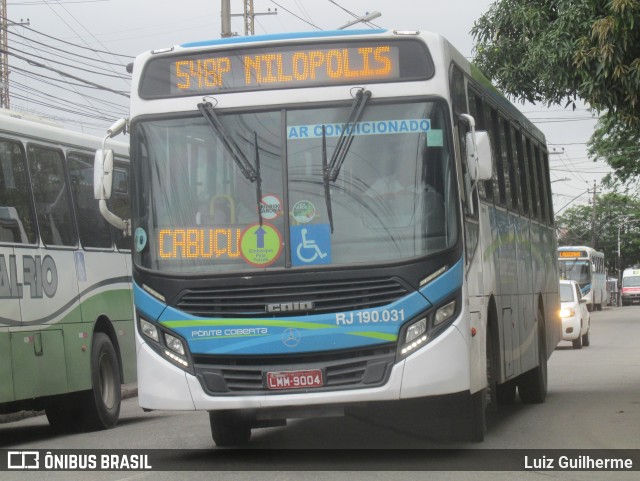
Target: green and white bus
[66,321]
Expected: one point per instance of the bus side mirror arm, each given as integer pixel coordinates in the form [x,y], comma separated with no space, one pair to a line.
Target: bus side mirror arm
[103,179]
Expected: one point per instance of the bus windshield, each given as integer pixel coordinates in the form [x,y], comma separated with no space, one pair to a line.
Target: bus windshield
[196,210]
[574,270]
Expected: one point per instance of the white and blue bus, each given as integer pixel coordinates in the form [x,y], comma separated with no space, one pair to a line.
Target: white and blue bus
[318,226]
[585,265]
[66,316]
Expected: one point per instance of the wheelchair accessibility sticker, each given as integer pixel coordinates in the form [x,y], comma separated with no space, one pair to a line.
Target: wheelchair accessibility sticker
[310,244]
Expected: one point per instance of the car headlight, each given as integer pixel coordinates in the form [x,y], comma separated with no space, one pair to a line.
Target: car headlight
[566,312]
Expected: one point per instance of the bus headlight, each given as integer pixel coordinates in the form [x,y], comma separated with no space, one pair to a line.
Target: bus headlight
[426,327]
[444,313]
[174,344]
[149,330]
[167,344]
[415,337]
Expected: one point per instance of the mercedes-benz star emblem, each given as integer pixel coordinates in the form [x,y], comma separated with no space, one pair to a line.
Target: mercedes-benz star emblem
[291,337]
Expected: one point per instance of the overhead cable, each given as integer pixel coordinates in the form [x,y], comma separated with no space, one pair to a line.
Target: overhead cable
[38,64]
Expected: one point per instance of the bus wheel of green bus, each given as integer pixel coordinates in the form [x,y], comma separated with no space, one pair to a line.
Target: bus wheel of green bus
[229,428]
[102,407]
[532,385]
[62,414]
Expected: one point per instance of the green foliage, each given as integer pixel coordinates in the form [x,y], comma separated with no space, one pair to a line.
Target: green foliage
[613,210]
[619,145]
[556,51]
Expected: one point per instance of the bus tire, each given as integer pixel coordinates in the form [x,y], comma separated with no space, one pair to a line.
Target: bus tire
[532,385]
[506,393]
[229,428]
[63,414]
[102,403]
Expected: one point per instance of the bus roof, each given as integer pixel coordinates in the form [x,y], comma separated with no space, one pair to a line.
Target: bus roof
[282,36]
[41,129]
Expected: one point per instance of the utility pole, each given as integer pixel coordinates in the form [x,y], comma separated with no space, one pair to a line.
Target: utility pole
[4,54]
[249,17]
[226,19]
[593,217]
[4,64]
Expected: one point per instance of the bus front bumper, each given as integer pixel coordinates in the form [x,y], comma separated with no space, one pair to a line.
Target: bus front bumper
[440,367]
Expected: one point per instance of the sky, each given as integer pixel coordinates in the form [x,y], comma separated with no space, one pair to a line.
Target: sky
[104,35]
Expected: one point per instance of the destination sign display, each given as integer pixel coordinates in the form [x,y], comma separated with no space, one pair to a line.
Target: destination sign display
[572,254]
[259,245]
[286,66]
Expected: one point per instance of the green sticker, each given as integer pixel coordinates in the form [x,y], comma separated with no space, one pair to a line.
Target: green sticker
[435,138]
[303,211]
[261,245]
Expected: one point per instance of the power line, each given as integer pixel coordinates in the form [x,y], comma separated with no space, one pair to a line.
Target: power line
[38,94]
[66,82]
[95,72]
[61,50]
[351,13]
[38,64]
[38,78]
[75,44]
[297,16]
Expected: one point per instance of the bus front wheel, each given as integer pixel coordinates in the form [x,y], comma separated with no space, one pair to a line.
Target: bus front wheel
[102,403]
[229,428]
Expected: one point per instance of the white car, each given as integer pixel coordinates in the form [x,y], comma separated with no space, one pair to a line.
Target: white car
[576,319]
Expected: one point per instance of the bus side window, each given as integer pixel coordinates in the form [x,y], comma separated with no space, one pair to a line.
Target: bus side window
[51,193]
[17,222]
[93,228]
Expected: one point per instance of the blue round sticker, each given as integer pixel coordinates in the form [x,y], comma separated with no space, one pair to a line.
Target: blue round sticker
[140,239]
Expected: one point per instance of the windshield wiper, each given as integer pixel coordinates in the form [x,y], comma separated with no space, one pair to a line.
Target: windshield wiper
[207,111]
[330,171]
[258,178]
[344,142]
[325,177]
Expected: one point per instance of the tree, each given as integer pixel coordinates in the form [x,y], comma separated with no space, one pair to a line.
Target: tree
[619,146]
[613,211]
[556,51]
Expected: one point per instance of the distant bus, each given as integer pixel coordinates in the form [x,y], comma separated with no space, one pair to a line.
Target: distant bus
[630,286]
[66,323]
[585,265]
[320,228]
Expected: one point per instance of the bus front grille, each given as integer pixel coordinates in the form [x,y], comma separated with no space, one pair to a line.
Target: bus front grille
[365,368]
[326,297]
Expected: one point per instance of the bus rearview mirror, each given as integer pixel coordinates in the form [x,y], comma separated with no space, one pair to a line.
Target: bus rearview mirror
[103,174]
[479,156]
